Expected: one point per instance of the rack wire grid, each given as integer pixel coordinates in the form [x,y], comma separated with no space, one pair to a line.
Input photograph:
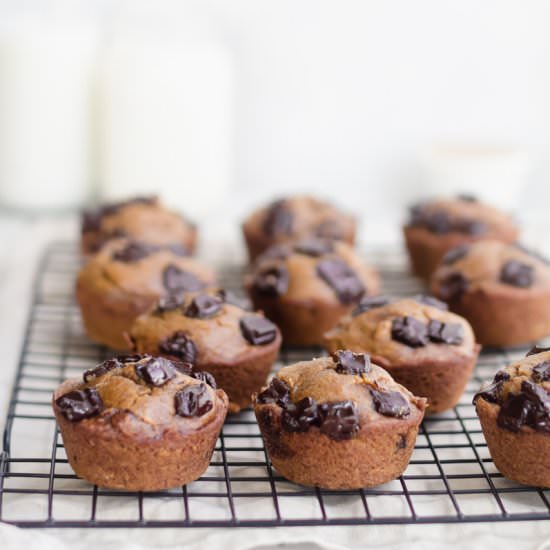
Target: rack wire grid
[451,477]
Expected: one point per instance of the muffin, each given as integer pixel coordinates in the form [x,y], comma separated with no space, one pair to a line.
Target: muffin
[294,218]
[435,227]
[304,288]
[216,333]
[503,290]
[514,412]
[126,278]
[139,423]
[338,422]
[143,219]
[424,347]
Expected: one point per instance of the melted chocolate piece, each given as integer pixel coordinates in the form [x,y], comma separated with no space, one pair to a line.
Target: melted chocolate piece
[330,229]
[390,403]
[169,303]
[314,247]
[229,297]
[203,306]
[271,280]
[277,392]
[536,349]
[156,372]
[409,331]
[501,376]
[466,197]
[541,372]
[453,286]
[455,254]
[79,404]
[471,227]
[178,280]
[257,330]
[193,400]
[348,362]
[445,333]
[181,346]
[134,251]
[339,420]
[369,302]
[298,417]
[178,249]
[278,220]
[101,369]
[430,301]
[189,370]
[517,274]
[490,393]
[342,279]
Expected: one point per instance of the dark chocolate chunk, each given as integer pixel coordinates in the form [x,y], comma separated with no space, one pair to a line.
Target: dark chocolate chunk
[203,306]
[314,247]
[501,376]
[91,221]
[369,302]
[156,371]
[453,286]
[193,400]
[276,392]
[79,404]
[466,197]
[178,249]
[169,302]
[205,377]
[339,420]
[455,254]
[491,392]
[390,403]
[178,280]
[409,331]
[257,330]
[134,251]
[430,301]
[271,280]
[514,412]
[330,229]
[181,346]
[471,227]
[298,417]
[445,333]
[536,349]
[517,274]
[348,362]
[101,369]
[541,372]
[230,297]
[342,279]
[278,220]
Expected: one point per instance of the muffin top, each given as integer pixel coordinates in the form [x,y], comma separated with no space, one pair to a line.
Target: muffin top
[141,396]
[521,392]
[339,395]
[141,218]
[291,218]
[143,271]
[204,328]
[406,332]
[311,269]
[489,265]
[462,215]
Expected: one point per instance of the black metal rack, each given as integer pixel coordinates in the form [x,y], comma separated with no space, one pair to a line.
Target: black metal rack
[450,479]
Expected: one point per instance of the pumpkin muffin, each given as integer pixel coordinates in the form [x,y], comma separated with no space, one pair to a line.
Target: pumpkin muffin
[139,423]
[338,422]
[434,227]
[304,288]
[126,278]
[423,347]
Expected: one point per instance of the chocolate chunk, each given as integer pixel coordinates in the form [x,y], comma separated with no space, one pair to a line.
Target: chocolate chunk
[339,420]
[445,333]
[369,302]
[409,331]
[193,400]
[181,346]
[169,302]
[453,286]
[134,251]
[455,254]
[277,392]
[501,376]
[430,301]
[490,393]
[178,280]
[203,306]
[314,247]
[541,372]
[517,274]
[205,377]
[466,197]
[271,280]
[536,349]
[79,404]
[231,298]
[514,412]
[471,227]
[437,222]
[278,220]
[342,279]
[348,362]
[330,229]
[390,403]
[101,369]
[156,371]
[91,221]
[178,249]
[300,416]
[257,330]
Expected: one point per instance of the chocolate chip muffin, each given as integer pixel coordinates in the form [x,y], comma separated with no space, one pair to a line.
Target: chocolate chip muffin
[502,289]
[514,412]
[217,333]
[143,219]
[294,218]
[126,278]
[338,422]
[435,227]
[140,423]
[424,347]
[304,288]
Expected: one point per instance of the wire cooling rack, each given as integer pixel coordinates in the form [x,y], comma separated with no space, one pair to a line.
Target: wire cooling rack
[451,477]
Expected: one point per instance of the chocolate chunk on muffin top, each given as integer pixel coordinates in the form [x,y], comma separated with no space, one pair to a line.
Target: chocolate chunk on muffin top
[141,218]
